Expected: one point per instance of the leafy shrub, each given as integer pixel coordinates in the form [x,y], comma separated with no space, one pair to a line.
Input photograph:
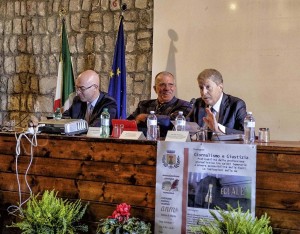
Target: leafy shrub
[51,215]
[233,221]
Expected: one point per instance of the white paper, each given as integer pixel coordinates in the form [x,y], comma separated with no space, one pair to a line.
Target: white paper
[181,136]
[93,132]
[132,135]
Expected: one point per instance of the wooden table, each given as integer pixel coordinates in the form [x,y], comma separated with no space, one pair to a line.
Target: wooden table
[106,172]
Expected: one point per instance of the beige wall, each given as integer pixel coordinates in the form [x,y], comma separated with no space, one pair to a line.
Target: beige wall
[254,44]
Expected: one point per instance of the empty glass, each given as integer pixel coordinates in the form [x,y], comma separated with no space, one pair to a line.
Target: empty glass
[201,135]
[263,135]
[117,130]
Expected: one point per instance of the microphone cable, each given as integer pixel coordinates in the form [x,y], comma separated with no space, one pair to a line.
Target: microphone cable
[13,209]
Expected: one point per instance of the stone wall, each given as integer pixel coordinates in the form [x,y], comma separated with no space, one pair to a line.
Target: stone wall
[30,46]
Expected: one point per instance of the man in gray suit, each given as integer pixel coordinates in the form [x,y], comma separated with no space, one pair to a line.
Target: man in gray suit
[220,112]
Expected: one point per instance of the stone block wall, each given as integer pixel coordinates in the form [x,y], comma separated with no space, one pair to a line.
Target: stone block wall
[30,45]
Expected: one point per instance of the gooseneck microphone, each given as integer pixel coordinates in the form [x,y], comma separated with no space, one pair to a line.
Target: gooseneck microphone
[191,104]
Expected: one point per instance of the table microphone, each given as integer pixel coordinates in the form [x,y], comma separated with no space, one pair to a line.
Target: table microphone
[191,104]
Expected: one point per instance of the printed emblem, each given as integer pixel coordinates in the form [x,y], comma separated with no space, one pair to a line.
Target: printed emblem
[170,160]
[170,186]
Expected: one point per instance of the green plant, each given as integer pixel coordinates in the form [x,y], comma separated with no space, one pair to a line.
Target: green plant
[233,221]
[51,215]
[120,223]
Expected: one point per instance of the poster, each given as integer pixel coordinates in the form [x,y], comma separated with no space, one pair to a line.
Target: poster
[193,178]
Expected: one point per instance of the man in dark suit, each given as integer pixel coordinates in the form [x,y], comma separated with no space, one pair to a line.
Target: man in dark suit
[90,102]
[166,106]
[216,110]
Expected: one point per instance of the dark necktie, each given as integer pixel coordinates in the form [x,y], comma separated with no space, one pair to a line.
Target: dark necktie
[213,111]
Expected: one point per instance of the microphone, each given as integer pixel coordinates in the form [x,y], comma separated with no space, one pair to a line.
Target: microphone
[192,103]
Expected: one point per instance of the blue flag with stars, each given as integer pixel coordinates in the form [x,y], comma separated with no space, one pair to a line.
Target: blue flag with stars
[117,83]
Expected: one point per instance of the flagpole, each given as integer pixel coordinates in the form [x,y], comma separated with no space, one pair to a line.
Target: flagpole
[65,88]
[58,92]
[117,83]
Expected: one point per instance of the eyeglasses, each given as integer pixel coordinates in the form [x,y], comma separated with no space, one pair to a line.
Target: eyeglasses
[164,85]
[82,88]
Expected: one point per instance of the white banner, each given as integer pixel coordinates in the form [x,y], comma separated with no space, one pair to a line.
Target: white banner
[192,178]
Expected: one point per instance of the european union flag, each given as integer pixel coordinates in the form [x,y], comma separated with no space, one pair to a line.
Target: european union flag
[117,83]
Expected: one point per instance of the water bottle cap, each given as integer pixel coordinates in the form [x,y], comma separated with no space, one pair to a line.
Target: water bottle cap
[249,112]
[180,112]
[152,112]
[105,109]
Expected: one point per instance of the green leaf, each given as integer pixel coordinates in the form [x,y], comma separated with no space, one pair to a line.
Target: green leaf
[233,221]
[51,214]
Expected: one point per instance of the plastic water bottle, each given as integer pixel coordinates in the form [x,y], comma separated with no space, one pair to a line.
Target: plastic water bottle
[105,117]
[57,114]
[180,122]
[249,128]
[152,126]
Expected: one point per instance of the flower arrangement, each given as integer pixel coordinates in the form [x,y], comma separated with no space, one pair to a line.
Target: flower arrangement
[121,223]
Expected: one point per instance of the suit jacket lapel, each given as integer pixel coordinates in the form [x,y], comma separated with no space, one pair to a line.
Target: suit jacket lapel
[80,109]
[201,113]
[223,109]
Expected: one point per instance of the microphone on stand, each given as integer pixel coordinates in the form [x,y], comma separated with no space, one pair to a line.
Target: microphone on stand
[192,105]
[192,102]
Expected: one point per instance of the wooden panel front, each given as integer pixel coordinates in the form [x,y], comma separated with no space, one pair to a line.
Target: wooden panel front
[105,172]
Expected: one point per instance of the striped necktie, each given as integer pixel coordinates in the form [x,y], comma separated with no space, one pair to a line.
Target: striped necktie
[89,111]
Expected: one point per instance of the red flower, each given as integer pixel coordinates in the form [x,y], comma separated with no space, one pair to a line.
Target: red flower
[124,209]
[121,213]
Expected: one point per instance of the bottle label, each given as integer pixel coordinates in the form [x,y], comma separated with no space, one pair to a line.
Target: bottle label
[180,122]
[251,124]
[105,122]
[152,122]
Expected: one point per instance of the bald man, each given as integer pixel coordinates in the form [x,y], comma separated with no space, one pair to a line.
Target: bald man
[90,102]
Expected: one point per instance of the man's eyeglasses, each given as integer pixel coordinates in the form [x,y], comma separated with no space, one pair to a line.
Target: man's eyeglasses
[165,85]
[82,88]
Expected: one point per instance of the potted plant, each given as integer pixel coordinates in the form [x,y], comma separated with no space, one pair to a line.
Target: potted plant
[121,223]
[51,215]
[233,221]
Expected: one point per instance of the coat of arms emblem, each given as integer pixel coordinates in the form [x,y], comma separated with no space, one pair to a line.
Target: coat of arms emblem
[170,159]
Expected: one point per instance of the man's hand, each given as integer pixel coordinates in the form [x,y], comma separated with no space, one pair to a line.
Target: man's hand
[211,121]
[141,118]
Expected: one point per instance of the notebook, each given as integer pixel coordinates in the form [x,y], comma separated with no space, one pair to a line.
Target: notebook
[129,125]
[229,137]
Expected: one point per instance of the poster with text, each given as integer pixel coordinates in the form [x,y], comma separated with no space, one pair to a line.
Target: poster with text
[194,178]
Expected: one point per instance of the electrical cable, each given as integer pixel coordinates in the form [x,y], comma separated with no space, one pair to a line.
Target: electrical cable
[13,209]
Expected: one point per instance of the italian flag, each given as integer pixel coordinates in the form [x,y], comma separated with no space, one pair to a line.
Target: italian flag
[65,86]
